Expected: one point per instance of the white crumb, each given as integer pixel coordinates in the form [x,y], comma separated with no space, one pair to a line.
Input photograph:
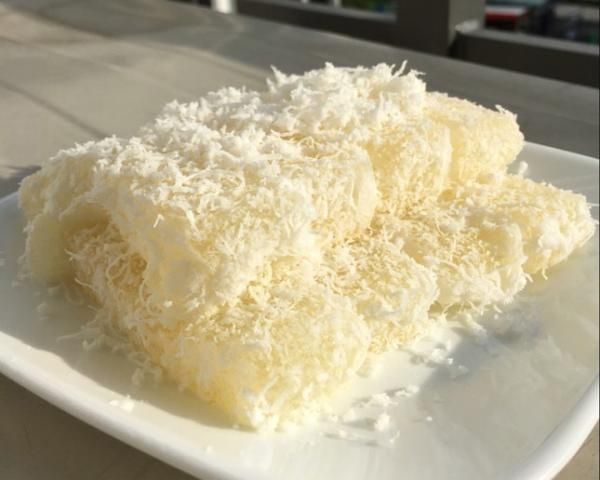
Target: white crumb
[407,391]
[382,422]
[380,400]
[126,404]
[522,168]
[438,356]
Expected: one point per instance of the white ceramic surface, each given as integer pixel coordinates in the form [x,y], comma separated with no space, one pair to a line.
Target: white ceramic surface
[527,402]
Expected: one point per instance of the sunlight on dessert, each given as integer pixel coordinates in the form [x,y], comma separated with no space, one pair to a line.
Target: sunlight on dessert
[260,247]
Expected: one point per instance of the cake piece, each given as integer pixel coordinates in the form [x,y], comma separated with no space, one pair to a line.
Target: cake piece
[483,141]
[388,288]
[483,240]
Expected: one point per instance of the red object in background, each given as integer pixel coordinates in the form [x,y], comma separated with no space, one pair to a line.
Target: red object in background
[506,18]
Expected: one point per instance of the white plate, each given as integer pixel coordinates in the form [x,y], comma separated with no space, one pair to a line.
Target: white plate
[528,402]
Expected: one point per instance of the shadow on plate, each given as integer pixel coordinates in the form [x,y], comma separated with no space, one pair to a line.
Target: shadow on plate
[533,363]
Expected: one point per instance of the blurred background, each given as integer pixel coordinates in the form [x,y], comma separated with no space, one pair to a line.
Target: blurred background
[550,38]
[575,20]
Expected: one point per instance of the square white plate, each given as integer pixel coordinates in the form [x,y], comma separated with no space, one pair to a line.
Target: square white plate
[527,402]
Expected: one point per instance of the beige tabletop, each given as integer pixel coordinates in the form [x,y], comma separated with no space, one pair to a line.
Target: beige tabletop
[75,70]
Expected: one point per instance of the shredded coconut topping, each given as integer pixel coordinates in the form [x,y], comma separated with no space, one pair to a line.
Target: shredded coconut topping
[259,246]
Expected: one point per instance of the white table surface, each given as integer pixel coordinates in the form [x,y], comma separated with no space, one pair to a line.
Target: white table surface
[75,70]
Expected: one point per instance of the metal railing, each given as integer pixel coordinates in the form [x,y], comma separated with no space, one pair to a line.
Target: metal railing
[356,23]
[442,27]
[545,57]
